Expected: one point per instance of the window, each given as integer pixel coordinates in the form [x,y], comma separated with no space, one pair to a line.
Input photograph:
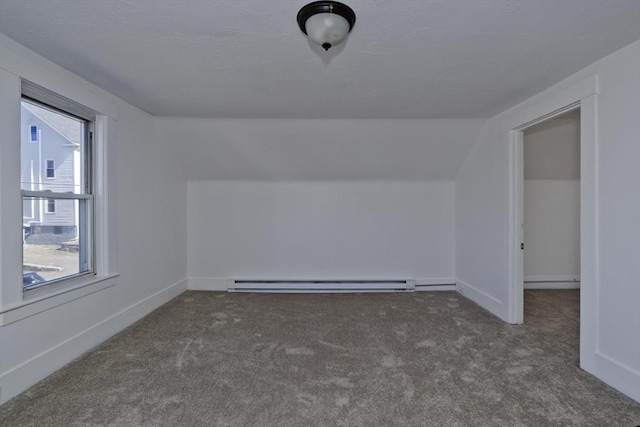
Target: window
[51,205]
[64,242]
[51,169]
[33,133]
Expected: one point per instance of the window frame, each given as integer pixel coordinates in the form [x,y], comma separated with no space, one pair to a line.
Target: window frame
[84,198]
[24,70]
[50,205]
[52,169]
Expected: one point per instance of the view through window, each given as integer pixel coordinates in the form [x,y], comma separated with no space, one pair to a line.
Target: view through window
[56,195]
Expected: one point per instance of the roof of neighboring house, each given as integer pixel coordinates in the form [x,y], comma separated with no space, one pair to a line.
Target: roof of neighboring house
[69,128]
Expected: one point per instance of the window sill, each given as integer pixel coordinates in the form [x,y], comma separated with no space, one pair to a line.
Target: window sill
[46,301]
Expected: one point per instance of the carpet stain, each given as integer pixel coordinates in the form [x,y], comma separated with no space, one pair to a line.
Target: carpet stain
[182,352]
[426,344]
[334,381]
[463,341]
[391,362]
[333,346]
[408,390]
[301,351]
[468,377]
[307,399]
[519,370]
[342,401]
[402,332]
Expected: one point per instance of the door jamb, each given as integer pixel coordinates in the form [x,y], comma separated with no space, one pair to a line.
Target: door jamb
[516,142]
[584,97]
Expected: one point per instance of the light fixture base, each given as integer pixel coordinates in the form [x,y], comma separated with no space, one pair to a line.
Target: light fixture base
[326,7]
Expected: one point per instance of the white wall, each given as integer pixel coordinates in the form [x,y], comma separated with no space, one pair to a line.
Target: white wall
[352,199]
[551,233]
[482,218]
[552,203]
[552,148]
[147,198]
[299,230]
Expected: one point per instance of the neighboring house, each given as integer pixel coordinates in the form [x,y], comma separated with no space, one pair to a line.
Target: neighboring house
[50,145]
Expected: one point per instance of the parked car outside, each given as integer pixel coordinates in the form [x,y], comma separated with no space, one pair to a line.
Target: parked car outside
[31,280]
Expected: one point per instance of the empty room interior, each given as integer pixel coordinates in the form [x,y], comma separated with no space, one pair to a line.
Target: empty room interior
[283,213]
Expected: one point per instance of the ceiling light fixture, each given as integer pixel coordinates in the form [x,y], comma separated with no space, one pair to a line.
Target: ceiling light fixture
[326,23]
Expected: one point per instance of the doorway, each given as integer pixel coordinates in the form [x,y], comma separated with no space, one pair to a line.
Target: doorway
[551,212]
[583,96]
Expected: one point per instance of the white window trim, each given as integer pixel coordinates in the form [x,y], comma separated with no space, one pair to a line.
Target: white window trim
[46,169]
[47,300]
[14,305]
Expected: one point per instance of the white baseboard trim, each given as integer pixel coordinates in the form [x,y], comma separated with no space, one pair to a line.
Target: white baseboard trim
[28,373]
[552,282]
[223,283]
[621,377]
[436,284]
[430,288]
[208,284]
[484,300]
[553,278]
[552,285]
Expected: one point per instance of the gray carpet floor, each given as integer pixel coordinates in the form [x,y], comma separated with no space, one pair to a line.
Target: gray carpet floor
[431,358]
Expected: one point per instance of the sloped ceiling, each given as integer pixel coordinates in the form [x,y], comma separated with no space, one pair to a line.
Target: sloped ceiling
[248,59]
[302,150]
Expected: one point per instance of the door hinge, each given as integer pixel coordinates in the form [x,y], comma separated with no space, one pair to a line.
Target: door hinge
[522,246]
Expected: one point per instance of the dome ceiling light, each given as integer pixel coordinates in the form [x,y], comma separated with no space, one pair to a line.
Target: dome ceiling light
[326,23]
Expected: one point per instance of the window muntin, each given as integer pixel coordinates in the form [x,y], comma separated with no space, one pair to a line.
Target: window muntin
[57,213]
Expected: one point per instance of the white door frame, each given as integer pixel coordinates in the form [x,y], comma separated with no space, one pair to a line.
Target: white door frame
[584,96]
[517,138]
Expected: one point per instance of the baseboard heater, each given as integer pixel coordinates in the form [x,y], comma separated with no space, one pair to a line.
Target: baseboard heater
[321,286]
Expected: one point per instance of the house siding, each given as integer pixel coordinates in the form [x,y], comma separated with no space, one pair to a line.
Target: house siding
[51,145]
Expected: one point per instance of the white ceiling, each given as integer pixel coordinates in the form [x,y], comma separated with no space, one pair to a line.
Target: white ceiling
[248,59]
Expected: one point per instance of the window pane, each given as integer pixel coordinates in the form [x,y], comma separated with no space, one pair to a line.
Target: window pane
[52,146]
[51,206]
[51,169]
[34,133]
[52,248]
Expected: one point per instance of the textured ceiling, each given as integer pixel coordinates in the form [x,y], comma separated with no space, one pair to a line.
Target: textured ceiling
[248,59]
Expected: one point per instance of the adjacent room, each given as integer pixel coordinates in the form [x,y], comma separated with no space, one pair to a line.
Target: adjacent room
[551,209]
[282,213]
